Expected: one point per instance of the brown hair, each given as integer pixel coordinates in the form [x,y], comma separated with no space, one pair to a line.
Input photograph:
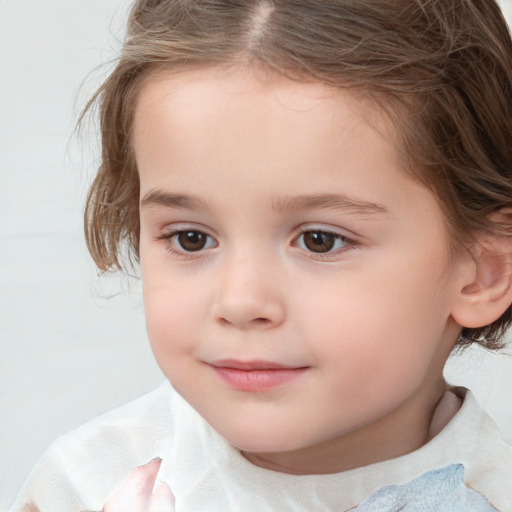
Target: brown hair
[442,69]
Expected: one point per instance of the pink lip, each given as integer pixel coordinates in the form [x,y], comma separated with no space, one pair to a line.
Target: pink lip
[255,375]
[251,365]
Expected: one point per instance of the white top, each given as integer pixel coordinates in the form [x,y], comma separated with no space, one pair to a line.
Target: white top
[206,474]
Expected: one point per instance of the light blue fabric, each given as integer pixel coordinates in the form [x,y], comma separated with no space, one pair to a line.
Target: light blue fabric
[441,490]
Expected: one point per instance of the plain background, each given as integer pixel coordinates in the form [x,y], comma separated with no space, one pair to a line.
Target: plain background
[73,345]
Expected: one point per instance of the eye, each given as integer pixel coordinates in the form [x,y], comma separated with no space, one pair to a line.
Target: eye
[318,241]
[191,241]
[188,240]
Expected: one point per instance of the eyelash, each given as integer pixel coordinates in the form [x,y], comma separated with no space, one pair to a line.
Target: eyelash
[167,240]
[348,243]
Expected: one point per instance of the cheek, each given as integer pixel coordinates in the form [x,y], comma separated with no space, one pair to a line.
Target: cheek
[173,330]
[171,309]
[381,329]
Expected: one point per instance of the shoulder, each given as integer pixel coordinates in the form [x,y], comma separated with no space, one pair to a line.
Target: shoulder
[80,469]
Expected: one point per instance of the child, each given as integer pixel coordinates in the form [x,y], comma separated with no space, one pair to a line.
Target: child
[320,198]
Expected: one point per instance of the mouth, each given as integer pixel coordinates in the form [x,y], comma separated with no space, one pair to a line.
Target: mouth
[255,375]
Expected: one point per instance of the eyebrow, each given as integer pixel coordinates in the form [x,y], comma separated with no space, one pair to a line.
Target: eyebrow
[282,204]
[327,201]
[170,200]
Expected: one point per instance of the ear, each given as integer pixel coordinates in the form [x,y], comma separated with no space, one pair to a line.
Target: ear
[486,287]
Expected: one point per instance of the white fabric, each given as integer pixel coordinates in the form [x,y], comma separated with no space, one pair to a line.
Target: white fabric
[206,474]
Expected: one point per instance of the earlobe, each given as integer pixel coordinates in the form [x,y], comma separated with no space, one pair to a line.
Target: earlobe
[487,292]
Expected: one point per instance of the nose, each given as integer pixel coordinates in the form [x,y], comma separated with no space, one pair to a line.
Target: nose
[250,294]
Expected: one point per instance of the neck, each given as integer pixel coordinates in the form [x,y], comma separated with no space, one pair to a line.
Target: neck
[402,431]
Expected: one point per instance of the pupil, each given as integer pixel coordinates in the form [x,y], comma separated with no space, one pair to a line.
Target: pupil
[317,241]
[192,240]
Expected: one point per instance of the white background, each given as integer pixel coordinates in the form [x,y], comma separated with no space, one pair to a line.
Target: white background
[71,345]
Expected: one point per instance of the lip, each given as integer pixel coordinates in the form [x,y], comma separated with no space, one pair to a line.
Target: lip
[251,365]
[255,375]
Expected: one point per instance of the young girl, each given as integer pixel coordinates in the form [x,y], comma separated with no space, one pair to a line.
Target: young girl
[320,198]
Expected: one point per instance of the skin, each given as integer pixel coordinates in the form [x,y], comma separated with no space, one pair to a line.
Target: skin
[370,319]
[136,494]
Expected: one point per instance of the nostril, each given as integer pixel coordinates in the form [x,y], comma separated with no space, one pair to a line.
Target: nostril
[247,313]
[255,322]
[224,322]
[261,321]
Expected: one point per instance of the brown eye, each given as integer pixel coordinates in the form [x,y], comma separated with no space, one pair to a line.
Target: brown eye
[321,242]
[192,241]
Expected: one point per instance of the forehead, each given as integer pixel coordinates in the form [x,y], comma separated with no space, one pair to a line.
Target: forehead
[233,82]
[265,138]
[211,107]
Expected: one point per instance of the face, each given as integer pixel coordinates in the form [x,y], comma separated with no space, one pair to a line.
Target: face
[297,282]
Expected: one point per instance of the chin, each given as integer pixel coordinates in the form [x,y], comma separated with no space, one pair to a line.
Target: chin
[270,440]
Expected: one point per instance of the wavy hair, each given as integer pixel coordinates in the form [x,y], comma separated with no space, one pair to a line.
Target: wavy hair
[440,69]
